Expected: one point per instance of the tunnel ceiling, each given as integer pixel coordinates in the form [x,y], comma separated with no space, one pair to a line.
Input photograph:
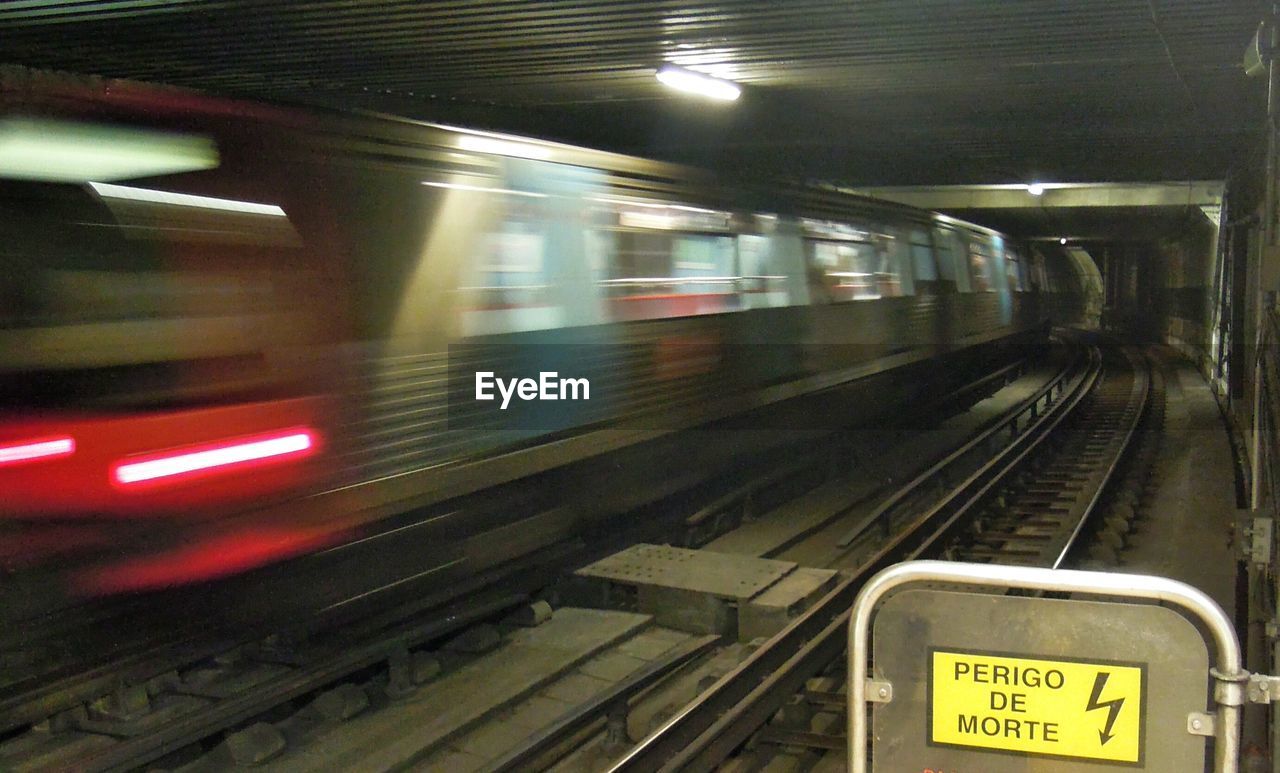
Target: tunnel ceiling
[852,91]
[1090,225]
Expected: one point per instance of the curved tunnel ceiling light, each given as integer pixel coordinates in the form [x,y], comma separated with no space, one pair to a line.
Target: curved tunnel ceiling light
[697,83]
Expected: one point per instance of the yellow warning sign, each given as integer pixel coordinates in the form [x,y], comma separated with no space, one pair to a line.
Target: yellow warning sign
[1057,708]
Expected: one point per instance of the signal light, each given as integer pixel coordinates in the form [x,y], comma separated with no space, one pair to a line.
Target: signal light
[31,450]
[225,456]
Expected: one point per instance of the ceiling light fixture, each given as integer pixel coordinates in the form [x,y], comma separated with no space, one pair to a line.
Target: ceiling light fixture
[1035,189]
[1063,241]
[697,83]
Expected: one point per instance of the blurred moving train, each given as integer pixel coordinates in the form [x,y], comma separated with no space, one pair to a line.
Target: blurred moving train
[229,330]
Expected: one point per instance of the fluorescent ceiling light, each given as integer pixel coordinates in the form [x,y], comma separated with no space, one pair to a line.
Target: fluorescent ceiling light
[697,83]
[66,151]
[109,191]
[1035,189]
[481,144]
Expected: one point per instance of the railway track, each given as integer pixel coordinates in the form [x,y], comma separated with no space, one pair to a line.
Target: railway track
[964,502]
[1038,502]
[137,704]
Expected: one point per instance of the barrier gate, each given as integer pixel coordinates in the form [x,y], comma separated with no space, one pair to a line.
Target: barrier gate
[972,680]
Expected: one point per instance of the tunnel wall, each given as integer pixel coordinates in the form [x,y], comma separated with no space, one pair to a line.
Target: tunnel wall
[1075,287]
[1089,281]
[1167,290]
[1191,292]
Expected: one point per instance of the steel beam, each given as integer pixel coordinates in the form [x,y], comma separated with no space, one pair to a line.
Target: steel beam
[1198,193]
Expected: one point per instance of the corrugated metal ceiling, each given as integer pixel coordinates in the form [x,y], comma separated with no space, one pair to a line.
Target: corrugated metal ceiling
[856,91]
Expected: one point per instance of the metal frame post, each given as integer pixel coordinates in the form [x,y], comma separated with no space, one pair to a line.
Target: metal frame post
[1269,240]
[1229,677]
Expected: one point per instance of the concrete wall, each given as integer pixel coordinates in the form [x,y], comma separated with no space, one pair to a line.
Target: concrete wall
[1074,287]
[1191,293]
[1089,280]
[1167,290]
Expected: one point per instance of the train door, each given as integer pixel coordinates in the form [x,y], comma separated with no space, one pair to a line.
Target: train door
[771,264]
[990,305]
[953,268]
[953,285]
[923,266]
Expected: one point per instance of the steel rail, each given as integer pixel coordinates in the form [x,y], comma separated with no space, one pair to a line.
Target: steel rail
[132,752]
[534,753]
[1028,406]
[793,467]
[747,691]
[708,729]
[1139,395]
[984,481]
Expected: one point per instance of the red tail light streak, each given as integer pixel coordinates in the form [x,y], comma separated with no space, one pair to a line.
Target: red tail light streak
[198,461]
[34,450]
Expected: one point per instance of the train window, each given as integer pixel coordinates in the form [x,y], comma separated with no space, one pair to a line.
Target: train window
[922,259]
[655,260]
[763,286]
[511,294]
[535,252]
[655,274]
[984,262]
[854,271]
[772,264]
[155,290]
[842,271]
[853,263]
[953,269]
[896,260]
[599,246]
[1016,271]
[505,289]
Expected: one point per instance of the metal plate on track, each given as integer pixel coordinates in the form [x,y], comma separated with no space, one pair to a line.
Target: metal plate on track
[700,571]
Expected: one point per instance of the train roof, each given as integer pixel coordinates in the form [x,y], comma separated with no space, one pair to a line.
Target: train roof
[24,89]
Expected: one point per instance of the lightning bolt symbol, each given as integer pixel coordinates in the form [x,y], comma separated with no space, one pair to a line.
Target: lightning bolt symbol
[1112,706]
